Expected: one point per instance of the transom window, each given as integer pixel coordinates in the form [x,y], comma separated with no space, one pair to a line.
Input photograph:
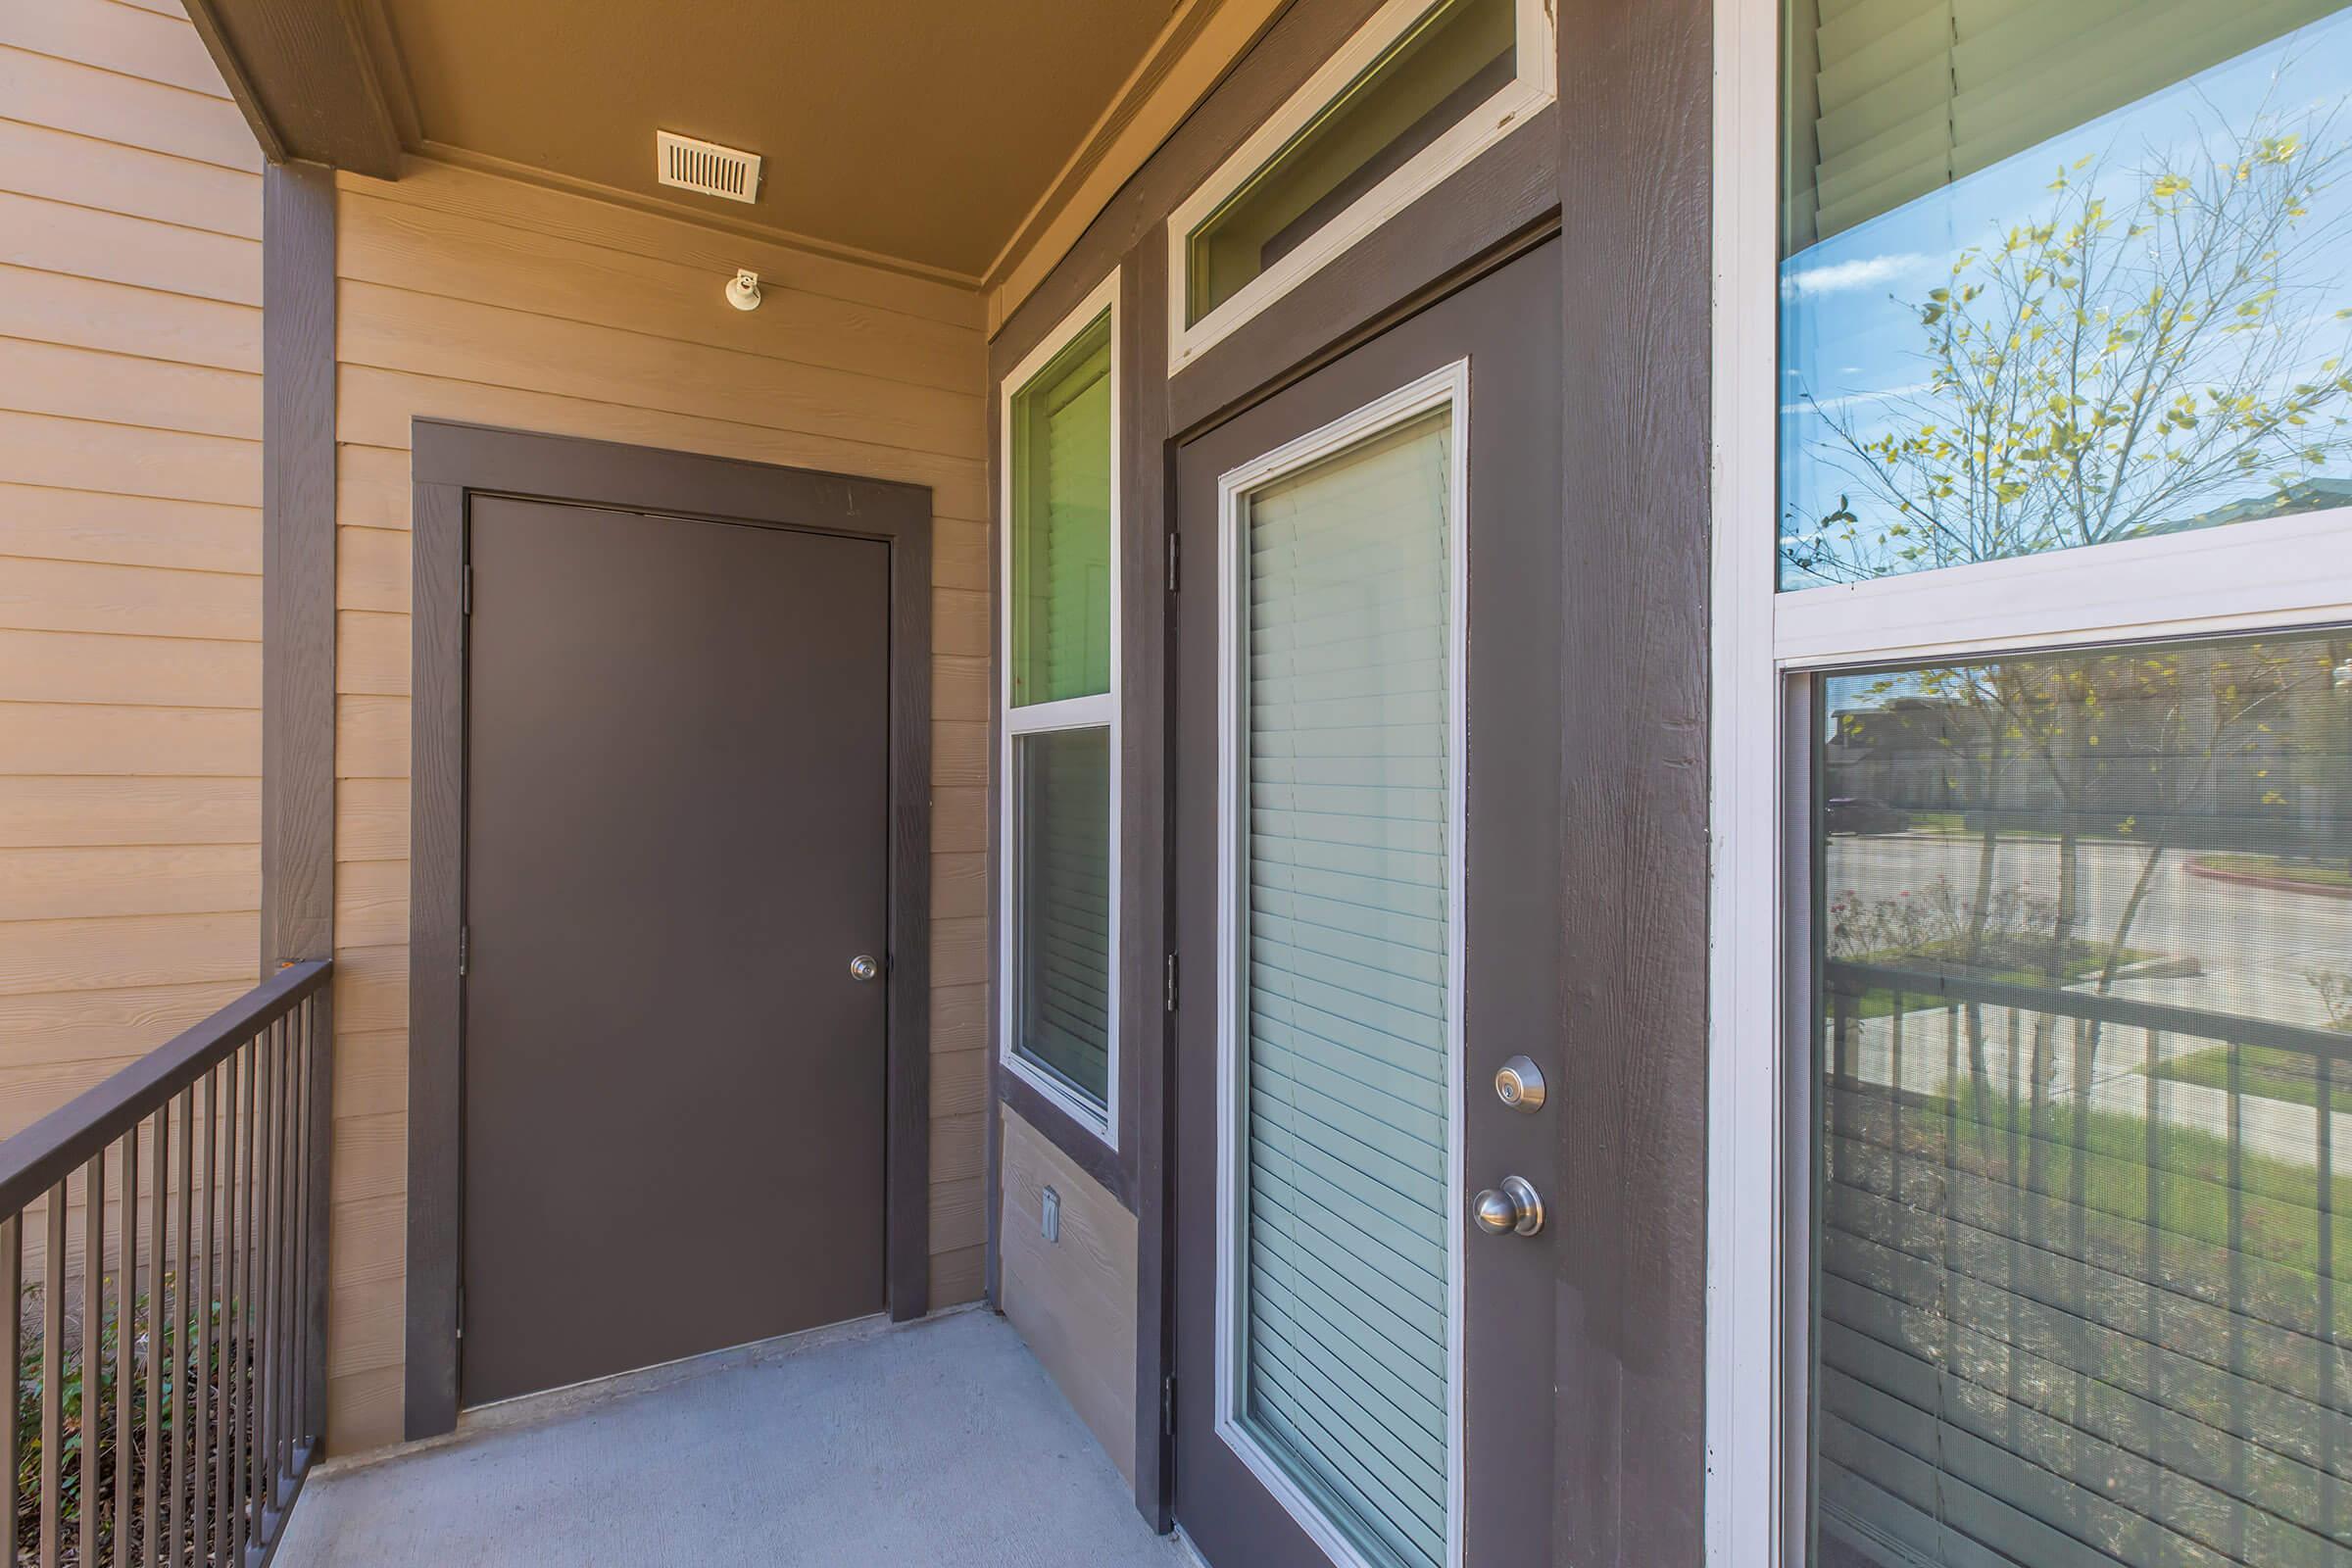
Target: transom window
[1058,984]
[1419,90]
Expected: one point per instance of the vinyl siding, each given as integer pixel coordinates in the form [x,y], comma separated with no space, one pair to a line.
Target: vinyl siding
[130,544]
[466,296]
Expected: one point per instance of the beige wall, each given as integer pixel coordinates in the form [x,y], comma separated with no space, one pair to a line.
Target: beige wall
[471,297]
[1073,1298]
[131,542]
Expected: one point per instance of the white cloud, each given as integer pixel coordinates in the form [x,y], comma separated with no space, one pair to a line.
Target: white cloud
[1864,271]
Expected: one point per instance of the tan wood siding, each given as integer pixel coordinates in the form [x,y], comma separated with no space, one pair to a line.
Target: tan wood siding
[1073,1300]
[130,544]
[469,297]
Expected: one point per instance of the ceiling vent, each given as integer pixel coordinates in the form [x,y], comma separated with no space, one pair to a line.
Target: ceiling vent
[700,166]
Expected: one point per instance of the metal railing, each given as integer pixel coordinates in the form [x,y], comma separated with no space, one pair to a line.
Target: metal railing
[163,1294]
[2087,1247]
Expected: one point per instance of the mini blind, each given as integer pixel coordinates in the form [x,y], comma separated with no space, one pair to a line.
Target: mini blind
[1910,95]
[1064,883]
[1062,541]
[1345,1094]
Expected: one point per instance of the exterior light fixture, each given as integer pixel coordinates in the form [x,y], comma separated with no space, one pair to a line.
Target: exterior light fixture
[742,291]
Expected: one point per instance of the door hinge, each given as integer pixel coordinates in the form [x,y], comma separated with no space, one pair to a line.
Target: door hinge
[1167,985]
[468,590]
[463,935]
[461,1311]
[1167,1404]
[1173,543]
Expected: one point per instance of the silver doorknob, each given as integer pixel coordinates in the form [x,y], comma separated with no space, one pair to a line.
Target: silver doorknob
[864,966]
[1512,1208]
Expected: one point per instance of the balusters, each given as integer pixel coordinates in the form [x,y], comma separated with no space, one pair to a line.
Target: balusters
[229,1491]
[53,1377]
[182,1335]
[264,1266]
[175,1520]
[200,1437]
[12,1322]
[126,1264]
[2325,1330]
[93,1317]
[159,1281]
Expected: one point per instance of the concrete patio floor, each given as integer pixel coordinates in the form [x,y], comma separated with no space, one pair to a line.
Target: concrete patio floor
[937,1443]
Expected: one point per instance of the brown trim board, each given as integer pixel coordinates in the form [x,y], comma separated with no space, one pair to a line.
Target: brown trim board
[306,79]
[298,564]
[451,461]
[1636,184]
[1146,482]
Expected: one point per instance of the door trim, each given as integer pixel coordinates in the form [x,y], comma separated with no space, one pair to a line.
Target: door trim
[1447,387]
[451,462]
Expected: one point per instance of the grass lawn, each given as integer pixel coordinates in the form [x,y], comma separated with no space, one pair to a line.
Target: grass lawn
[2263,1070]
[1954,824]
[2277,1205]
[2280,868]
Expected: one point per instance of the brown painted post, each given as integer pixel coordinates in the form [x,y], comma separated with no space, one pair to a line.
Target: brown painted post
[1636,95]
[298,563]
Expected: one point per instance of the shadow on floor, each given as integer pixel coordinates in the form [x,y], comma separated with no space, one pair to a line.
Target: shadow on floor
[938,1443]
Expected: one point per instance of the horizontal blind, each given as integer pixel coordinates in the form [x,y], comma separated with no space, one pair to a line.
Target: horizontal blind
[1064,904]
[1914,94]
[1348,1076]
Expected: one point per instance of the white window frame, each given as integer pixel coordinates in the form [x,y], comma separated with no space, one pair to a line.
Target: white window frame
[2277,572]
[1447,388]
[1100,711]
[1512,106]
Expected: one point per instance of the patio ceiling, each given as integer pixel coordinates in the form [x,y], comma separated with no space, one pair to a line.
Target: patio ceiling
[918,130]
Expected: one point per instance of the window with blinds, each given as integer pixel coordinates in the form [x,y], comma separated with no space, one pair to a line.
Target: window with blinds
[1059,716]
[2059,273]
[1905,96]
[1062,939]
[1346,1014]
[2082,1284]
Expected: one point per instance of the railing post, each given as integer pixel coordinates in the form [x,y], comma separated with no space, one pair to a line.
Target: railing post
[318,1039]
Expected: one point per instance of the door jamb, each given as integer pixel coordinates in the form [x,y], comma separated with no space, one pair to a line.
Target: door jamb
[451,462]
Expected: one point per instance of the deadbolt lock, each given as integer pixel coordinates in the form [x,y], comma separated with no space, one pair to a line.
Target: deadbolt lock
[864,968]
[1519,1084]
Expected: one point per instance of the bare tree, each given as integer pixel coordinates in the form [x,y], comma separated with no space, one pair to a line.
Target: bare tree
[2143,351]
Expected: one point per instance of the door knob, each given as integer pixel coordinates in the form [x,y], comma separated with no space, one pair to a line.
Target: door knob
[864,966]
[1512,1208]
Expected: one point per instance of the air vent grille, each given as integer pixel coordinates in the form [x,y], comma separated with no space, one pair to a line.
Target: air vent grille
[704,167]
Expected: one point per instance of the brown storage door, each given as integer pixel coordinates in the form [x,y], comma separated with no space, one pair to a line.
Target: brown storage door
[676,842]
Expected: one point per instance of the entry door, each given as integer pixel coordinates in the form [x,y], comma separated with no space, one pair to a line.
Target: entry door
[1368,911]
[676,844]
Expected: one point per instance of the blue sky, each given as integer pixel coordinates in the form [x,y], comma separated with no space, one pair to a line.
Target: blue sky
[1849,331]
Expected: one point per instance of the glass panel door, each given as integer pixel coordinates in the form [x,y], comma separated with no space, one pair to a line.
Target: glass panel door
[1367,907]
